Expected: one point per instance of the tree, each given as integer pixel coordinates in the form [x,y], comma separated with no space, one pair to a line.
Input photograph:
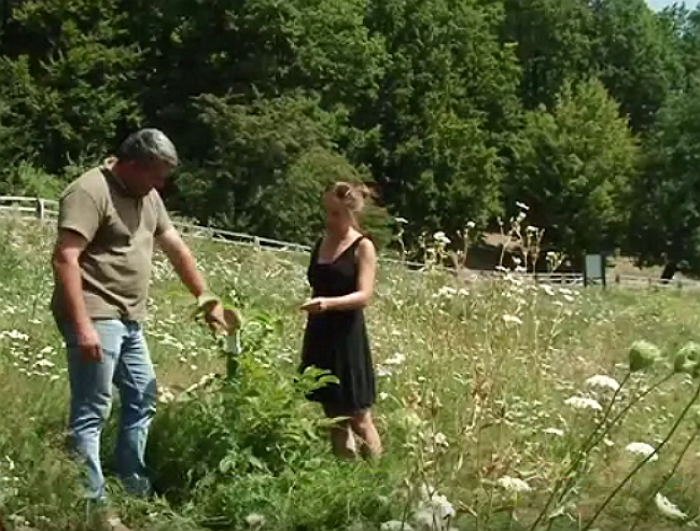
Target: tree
[447,101]
[554,42]
[665,225]
[573,167]
[270,163]
[250,49]
[66,78]
[636,58]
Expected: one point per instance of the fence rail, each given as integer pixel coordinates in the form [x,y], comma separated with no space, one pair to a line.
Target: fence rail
[46,210]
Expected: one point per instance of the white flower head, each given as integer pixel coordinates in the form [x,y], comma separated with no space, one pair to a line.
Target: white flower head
[255,520]
[522,206]
[401,221]
[554,431]
[397,359]
[602,381]
[383,372]
[512,319]
[395,525]
[668,509]
[642,449]
[514,485]
[579,402]
[547,289]
[434,510]
[441,440]
[165,395]
[471,225]
[441,237]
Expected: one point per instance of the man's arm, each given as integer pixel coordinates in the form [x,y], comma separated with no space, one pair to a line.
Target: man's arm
[182,260]
[66,265]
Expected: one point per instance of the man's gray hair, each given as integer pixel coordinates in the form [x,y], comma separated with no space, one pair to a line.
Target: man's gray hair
[146,145]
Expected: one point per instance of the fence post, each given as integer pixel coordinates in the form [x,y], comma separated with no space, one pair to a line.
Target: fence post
[40,209]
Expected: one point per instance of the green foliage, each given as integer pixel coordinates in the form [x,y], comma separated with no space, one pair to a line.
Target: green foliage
[448,95]
[573,168]
[554,40]
[636,57]
[435,102]
[666,213]
[254,445]
[66,78]
[27,180]
[268,169]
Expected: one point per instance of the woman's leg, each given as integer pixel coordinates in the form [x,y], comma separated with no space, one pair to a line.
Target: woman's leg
[363,425]
[342,438]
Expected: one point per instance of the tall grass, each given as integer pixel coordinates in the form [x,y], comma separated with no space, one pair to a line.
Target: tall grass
[475,381]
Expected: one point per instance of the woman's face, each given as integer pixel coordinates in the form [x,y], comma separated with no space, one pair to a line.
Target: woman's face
[338,218]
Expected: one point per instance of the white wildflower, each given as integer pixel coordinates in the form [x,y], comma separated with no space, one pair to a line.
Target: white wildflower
[554,431]
[396,359]
[15,334]
[512,319]
[401,221]
[603,382]
[383,372]
[522,206]
[668,509]
[471,225]
[44,363]
[547,289]
[642,449]
[434,510]
[383,396]
[441,440]
[580,402]
[514,485]
[395,525]
[441,237]
[255,520]
[165,395]
[446,291]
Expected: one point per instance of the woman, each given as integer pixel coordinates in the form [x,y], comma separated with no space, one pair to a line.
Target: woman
[341,274]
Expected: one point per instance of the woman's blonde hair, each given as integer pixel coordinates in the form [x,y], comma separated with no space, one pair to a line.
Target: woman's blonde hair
[355,196]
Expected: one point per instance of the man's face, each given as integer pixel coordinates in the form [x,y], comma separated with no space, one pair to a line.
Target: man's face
[142,177]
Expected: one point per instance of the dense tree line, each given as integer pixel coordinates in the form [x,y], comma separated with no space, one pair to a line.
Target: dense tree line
[585,110]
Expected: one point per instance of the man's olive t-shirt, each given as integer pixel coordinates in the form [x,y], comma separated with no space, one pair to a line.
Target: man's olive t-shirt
[120,230]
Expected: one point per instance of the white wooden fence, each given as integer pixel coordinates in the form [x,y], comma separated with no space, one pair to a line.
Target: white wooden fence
[46,210]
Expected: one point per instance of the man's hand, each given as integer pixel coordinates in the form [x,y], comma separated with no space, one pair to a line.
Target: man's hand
[317,305]
[214,315]
[89,344]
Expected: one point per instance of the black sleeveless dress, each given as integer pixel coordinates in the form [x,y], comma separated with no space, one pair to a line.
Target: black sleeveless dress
[337,340]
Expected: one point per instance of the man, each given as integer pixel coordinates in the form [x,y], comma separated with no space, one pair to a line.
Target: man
[109,219]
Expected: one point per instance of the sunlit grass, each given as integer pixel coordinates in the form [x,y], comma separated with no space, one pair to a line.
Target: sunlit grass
[473,382]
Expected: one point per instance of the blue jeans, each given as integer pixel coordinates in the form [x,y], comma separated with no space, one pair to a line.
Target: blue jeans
[126,363]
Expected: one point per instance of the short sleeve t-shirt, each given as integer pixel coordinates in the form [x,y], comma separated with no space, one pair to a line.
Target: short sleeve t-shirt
[120,230]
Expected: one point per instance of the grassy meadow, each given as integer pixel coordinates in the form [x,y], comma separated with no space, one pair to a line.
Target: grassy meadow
[475,382]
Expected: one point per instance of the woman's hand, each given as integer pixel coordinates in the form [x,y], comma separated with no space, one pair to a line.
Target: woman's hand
[317,305]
